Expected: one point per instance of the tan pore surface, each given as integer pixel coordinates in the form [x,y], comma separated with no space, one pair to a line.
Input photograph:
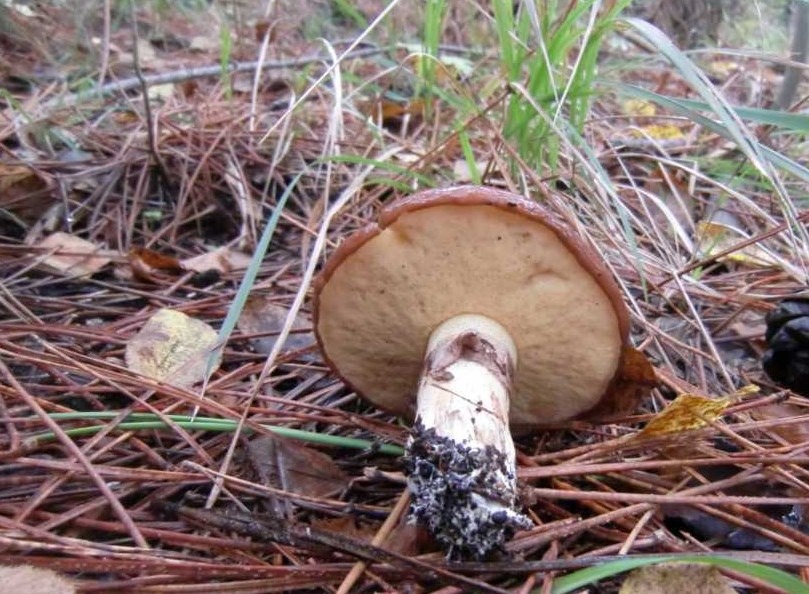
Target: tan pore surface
[379,306]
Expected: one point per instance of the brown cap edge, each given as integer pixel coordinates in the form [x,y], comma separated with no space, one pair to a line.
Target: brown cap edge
[585,254]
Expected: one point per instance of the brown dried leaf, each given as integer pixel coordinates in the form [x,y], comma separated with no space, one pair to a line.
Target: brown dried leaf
[715,237]
[33,580]
[295,468]
[261,28]
[686,412]
[70,255]
[173,348]
[24,193]
[676,578]
[346,526]
[391,114]
[147,264]
[155,260]
[261,316]
[794,433]
[634,382]
[222,259]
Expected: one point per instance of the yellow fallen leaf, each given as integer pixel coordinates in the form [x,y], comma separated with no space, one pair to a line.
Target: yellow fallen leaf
[161,92]
[639,107]
[173,348]
[659,132]
[723,68]
[34,580]
[71,255]
[676,578]
[714,238]
[686,412]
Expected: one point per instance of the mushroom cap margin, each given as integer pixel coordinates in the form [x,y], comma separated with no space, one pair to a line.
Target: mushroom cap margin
[583,377]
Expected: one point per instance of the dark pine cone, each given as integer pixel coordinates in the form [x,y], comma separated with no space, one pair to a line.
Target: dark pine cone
[786,360]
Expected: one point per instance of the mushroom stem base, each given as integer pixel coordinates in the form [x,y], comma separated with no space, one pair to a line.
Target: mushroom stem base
[460,459]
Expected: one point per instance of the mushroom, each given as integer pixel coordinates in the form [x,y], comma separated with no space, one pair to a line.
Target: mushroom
[471,310]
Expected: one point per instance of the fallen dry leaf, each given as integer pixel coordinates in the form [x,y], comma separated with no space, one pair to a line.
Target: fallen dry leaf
[635,380]
[148,265]
[676,578]
[794,433]
[714,237]
[686,412]
[261,316]
[391,114]
[295,468]
[222,259]
[346,526]
[639,107]
[33,580]
[659,132]
[70,255]
[173,348]
[155,260]
[23,193]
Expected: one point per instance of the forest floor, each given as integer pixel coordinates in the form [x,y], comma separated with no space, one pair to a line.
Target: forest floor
[138,179]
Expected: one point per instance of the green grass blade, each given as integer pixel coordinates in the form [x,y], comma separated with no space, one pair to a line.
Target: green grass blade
[794,122]
[402,170]
[141,421]
[680,107]
[249,279]
[591,575]
[699,82]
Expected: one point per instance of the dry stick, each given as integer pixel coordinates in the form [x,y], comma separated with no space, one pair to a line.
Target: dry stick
[105,42]
[116,506]
[272,529]
[147,107]
[335,64]
[377,541]
[607,467]
[134,82]
[799,51]
[635,532]
[673,498]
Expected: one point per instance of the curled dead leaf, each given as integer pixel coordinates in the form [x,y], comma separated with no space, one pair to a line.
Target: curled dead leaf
[676,578]
[23,192]
[33,580]
[295,468]
[635,380]
[263,317]
[222,259]
[685,413]
[70,255]
[173,348]
[147,264]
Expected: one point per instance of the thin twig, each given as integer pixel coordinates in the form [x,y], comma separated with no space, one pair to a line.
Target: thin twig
[378,540]
[113,501]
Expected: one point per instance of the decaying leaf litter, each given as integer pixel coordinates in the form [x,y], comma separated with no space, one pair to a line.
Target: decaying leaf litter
[128,481]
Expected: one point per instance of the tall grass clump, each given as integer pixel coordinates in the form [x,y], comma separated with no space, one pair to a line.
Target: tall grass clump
[549,58]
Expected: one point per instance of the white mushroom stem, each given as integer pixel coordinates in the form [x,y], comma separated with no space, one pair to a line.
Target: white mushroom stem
[461,459]
[465,389]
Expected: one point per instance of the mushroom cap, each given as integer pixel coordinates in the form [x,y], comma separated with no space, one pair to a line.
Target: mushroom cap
[472,250]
